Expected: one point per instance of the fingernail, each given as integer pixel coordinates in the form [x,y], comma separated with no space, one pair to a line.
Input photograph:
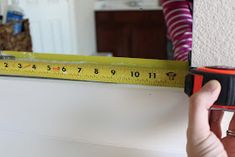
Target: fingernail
[211,86]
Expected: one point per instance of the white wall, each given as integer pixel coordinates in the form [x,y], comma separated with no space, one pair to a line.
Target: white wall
[85,23]
[58,117]
[214,33]
[17,145]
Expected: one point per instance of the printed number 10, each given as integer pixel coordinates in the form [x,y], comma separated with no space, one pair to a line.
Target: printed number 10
[135,74]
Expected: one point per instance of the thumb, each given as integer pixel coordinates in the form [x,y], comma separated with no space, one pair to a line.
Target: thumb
[200,104]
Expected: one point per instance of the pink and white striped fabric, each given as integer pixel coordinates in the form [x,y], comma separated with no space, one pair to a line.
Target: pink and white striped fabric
[179,23]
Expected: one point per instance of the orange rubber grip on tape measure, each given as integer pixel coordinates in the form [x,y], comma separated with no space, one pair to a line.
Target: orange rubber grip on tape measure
[197,77]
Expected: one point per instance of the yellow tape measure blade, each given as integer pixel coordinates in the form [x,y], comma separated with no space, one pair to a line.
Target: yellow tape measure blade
[105,69]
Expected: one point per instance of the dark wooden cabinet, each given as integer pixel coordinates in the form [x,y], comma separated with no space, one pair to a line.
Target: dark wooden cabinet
[137,34]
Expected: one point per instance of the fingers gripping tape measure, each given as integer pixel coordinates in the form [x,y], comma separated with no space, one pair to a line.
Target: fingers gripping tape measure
[92,68]
[197,77]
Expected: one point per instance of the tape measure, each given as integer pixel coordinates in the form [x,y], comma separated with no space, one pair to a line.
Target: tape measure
[197,77]
[92,68]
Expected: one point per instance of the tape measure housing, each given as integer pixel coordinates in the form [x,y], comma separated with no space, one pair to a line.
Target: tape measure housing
[198,77]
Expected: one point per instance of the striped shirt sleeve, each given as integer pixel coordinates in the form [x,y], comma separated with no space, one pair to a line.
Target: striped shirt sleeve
[179,21]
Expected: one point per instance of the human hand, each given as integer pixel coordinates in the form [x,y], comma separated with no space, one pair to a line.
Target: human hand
[204,131]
